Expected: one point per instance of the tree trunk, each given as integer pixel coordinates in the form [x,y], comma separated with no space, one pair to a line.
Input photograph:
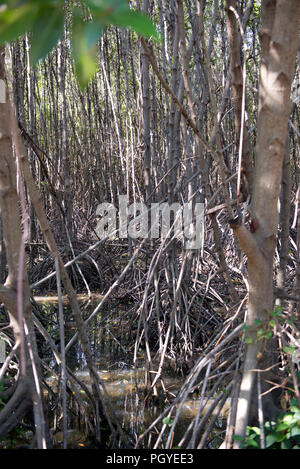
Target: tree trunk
[27,394]
[279,42]
[236,71]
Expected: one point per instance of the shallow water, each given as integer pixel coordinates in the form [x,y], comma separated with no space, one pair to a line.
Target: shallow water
[124,383]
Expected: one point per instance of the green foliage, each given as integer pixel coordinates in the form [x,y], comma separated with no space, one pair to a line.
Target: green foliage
[277,313]
[256,8]
[168,421]
[44,20]
[46,31]
[288,349]
[283,434]
[265,330]
[256,13]
[84,47]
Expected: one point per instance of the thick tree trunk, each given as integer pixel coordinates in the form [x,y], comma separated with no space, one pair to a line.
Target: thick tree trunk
[279,42]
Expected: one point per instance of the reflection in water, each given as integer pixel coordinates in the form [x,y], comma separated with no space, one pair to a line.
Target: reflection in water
[111,343]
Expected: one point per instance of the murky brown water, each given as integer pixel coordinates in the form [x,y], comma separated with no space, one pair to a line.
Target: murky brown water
[124,383]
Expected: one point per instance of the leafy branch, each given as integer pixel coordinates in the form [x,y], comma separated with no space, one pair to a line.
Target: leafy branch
[44,20]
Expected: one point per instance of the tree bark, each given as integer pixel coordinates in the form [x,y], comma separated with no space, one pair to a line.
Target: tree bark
[146,116]
[27,395]
[236,71]
[279,43]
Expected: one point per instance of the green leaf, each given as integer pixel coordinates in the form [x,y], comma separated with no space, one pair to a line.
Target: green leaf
[118,13]
[280,437]
[282,426]
[290,419]
[270,425]
[252,443]
[84,49]
[289,350]
[295,431]
[135,20]
[270,440]
[256,430]
[168,421]
[294,400]
[101,5]
[46,32]
[268,335]
[277,312]
[17,21]
[248,340]
[285,444]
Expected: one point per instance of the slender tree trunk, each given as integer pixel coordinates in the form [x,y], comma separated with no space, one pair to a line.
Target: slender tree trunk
[146,116]
[285,210]
[237,81]
[15,294]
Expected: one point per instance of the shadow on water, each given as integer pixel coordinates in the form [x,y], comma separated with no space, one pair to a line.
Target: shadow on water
[112,336]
